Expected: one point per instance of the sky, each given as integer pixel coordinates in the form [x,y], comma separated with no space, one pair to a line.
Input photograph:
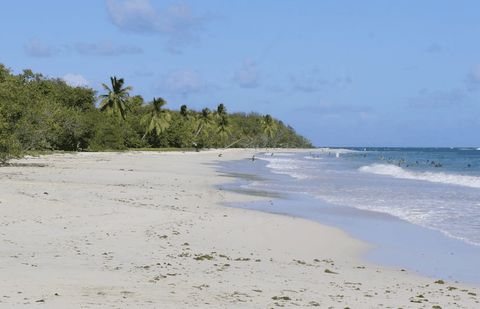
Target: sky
[341,73]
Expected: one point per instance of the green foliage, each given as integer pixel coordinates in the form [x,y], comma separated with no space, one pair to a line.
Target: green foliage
[269,126]
[117,101]
[104,132]
[158,119]
[39,113]
[181,131]
[9,113]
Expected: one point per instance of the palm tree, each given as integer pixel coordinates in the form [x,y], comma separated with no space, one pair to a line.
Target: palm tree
[205,119]
[223,127]
[117,99]
[158,119]
[183,111]
[269,126]
[221,111]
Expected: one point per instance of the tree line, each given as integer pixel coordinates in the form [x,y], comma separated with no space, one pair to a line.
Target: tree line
[39,113]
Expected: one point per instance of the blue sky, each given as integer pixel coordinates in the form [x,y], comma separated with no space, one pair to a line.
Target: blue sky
[342,73]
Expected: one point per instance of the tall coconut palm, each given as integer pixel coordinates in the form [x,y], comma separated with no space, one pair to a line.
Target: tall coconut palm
[205,120]
[220,111]
[223,127]
[117,99]
[269,126]
[184,111]
[158,119]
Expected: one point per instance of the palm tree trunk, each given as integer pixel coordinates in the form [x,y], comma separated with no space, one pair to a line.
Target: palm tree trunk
[198,131]
[234,142]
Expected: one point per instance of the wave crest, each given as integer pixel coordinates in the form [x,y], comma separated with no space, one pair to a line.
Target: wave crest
[439,177]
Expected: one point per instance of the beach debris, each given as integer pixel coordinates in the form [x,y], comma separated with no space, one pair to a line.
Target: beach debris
[220,155]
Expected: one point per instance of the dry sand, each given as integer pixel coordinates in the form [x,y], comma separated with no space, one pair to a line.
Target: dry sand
[145,229]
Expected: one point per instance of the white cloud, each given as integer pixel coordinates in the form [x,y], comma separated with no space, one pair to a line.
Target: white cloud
[331,108]
[133,15]
[426,99]
[367,115]
[36,49]
[434,48]
[143,73]
[75,80]
[178,23]
[473,78]
[313,82]
[181,82]
[107,48]
[324,103]
[248,76]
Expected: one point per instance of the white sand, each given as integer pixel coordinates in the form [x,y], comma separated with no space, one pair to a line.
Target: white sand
[144,229]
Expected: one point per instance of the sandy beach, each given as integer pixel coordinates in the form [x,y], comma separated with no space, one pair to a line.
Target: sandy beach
[147,230]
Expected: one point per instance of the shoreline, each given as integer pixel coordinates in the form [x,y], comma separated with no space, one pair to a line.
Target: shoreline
[148,230]
[396,243]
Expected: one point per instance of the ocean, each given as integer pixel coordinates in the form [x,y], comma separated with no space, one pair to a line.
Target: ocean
[420,206]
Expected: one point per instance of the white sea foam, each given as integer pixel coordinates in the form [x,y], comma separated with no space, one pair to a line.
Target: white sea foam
[288,166]
[439,177]
[279,154]
[452,210]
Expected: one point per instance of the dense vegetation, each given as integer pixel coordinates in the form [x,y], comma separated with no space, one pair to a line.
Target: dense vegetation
[38,113]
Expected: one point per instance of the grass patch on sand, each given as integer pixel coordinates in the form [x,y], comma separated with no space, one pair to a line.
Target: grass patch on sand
[35,153]
[281,297]
[328,271]
[203,257]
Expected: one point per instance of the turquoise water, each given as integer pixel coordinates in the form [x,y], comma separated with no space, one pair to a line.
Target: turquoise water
[430,187]
[423,216]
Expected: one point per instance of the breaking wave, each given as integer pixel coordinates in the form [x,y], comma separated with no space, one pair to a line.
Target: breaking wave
[439,177]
